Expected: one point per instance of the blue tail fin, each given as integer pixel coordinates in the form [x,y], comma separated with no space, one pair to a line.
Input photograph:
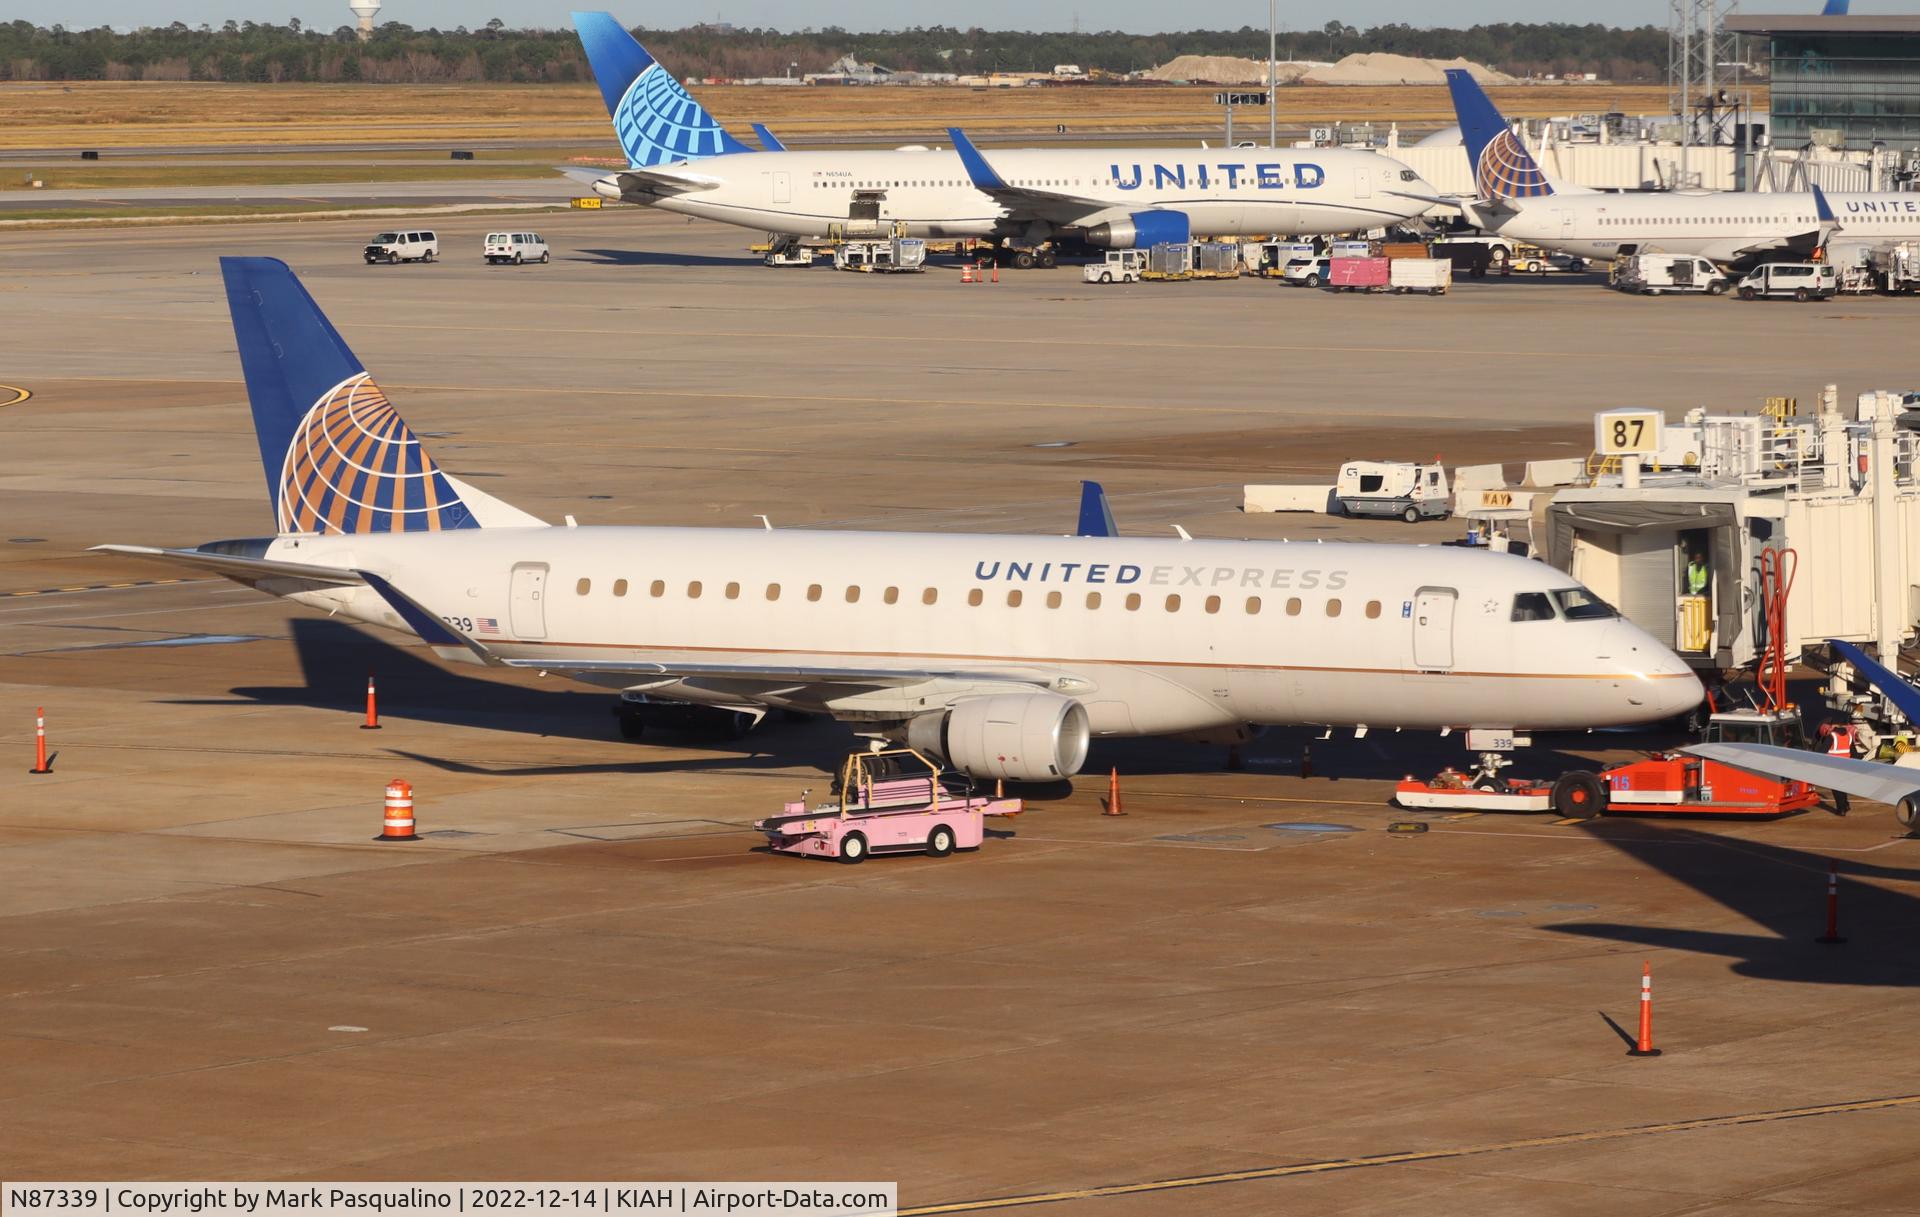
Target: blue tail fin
[1502,166]
[657,121]
[1835,8]
[338,458]
[1096,518]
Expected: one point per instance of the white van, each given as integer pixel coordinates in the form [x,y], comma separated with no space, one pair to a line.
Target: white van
[1653,274]
[1801,280]
[403,247]
[514,247]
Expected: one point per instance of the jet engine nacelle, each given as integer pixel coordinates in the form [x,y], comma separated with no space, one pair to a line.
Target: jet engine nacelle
[1022,737]
[1142,229]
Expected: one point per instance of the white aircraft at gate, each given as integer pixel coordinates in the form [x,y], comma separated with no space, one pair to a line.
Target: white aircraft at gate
[1000,654]
[1516,199]
[680,159]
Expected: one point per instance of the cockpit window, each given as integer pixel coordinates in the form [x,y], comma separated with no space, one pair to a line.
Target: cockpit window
[1579,604]
[1532,606]
[1408,175]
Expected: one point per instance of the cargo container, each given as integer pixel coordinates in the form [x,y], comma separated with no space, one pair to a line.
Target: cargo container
[1430,275]
[1360,274]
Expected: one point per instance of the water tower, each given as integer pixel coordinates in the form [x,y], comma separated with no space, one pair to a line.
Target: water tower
[364,12]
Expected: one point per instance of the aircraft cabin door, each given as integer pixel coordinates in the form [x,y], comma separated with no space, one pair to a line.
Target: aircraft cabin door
[527,601]
[783,188]
[1433,628]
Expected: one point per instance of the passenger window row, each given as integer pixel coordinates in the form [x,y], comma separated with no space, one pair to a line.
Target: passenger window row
[976,597]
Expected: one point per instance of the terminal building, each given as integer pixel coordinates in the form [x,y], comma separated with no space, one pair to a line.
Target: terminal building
[1841,81]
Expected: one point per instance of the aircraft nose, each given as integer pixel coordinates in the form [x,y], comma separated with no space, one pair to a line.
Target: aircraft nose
[1658,683]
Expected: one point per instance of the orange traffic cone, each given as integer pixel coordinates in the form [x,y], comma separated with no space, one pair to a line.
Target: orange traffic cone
[40,764]
[398,825]
[1113,807]
[373,713]
[996,270]
[1644,1045]
[1833,906]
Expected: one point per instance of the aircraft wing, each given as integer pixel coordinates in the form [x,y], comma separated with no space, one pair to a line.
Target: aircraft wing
[642,183]
[1051,205]
[250,571]
[449,641]
[1876,780]
[1802,244]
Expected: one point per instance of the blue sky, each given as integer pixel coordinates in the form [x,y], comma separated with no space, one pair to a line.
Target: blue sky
[1135,15]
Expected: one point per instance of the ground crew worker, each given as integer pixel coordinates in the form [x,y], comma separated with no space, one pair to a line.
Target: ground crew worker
[1697,575]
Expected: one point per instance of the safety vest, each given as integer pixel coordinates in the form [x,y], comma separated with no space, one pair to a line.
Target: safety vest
[1840,742]
[1696,580]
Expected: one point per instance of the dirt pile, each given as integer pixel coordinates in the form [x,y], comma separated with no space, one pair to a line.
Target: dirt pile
[1385,69]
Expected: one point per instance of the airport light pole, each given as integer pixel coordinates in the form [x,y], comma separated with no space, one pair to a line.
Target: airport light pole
[1273,73]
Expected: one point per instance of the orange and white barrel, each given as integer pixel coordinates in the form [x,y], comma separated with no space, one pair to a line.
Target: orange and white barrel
[398,825]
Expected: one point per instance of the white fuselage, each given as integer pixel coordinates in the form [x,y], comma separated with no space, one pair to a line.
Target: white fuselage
[1224,192]
[1151,636]
[1723,226]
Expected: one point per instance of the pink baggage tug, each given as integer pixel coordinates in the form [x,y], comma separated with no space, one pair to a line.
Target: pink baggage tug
[891,801]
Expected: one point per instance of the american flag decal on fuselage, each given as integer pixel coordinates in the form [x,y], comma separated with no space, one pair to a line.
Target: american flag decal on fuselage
[353,466]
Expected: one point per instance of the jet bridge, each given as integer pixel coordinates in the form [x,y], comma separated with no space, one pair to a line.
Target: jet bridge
[1840,492]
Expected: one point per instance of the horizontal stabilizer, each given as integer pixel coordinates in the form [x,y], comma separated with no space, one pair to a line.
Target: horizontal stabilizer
[250,571]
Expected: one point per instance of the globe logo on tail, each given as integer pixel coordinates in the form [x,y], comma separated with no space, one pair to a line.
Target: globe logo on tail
[353,466]
[659,123]
[1508,171]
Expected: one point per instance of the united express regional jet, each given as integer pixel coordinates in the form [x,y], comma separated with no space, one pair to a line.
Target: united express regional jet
[1001,654]
[680,159]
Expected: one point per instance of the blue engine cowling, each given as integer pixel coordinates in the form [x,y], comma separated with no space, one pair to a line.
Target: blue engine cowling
[1142,229]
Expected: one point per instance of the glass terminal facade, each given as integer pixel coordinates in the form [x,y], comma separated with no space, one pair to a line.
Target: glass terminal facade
[1849,89]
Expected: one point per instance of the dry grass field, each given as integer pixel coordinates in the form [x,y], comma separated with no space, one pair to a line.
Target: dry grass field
[119,114]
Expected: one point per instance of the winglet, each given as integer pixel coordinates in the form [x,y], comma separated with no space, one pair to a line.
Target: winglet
[432,630]
[1096,518]
[983,174]
[768,139]
[1835,8]
[1822,210]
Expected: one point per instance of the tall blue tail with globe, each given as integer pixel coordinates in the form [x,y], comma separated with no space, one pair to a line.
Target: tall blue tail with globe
[657,121]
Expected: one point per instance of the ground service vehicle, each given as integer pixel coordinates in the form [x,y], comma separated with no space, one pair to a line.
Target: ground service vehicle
[1655,274]
[515,247]
[899,255]
[892,801]
[1392,488]
[1801,280]
[1308,272]
[402,247]
[1119,266]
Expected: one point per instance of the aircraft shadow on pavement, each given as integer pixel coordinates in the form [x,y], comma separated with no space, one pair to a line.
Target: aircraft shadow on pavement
[1783,891]
[335,659]
[654,257]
